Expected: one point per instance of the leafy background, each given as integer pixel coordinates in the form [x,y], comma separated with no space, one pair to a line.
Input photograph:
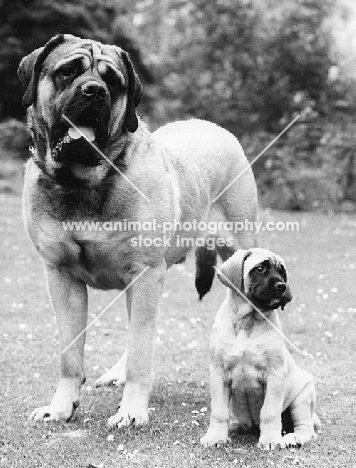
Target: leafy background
[248,65]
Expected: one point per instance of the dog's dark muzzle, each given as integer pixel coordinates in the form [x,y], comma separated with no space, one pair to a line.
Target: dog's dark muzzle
[271,296]
[82,125]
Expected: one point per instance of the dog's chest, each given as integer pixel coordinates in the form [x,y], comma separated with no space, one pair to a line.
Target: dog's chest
[100,264]
[101,261]
[245,362]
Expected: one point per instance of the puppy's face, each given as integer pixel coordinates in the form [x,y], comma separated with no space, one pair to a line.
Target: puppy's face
[265,280]
[260,275]
[93,86]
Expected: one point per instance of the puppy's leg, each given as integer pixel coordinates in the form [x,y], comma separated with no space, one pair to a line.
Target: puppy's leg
[303,417]
[69,300]
[117,373]
[271,411]
[146,292]
[241,420]
[219,420]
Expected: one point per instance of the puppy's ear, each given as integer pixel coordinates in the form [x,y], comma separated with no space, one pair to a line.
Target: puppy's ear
[283,267]
[30,68]
[233,270]
[134,94]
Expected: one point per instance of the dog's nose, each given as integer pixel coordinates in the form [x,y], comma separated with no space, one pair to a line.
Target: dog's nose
[93,90]
[281,287]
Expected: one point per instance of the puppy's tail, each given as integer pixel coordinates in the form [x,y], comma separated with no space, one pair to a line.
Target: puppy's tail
[205,260]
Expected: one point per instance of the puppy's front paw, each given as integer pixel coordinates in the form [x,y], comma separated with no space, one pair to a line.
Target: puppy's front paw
[271,442]
[215,437]
[297,439]
[129,414]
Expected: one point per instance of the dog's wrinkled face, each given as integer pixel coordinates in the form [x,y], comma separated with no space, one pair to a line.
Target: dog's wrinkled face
[91,84]
[265,280]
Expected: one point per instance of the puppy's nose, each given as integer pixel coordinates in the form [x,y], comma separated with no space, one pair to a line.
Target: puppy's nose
[281,287]
[93,90]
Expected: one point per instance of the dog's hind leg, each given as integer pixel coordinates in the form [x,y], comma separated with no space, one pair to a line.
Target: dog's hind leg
[116,375]
[237,209]
[235,215]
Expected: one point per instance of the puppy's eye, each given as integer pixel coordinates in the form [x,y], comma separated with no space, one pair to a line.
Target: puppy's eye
[68,72]
[260,269]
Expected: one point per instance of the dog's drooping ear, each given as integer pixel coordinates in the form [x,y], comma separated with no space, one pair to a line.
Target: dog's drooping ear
[233,270]
[134,94]
[30,68]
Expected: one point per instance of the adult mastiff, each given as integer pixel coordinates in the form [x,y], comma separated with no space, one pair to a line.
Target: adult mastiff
[93,159]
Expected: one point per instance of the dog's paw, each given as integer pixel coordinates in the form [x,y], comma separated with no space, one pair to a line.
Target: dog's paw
[55,411]
[128,415]
[116,375]
[271,442]
[111,377]
[297,439]
[215,437]
[291,440]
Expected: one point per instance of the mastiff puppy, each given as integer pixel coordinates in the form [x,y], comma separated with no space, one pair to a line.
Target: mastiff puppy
[252,375]
[94,160]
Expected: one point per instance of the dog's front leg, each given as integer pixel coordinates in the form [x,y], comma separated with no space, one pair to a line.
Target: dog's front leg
[271,411]
[303,417]
[69,300]
[146,292]
[217,434]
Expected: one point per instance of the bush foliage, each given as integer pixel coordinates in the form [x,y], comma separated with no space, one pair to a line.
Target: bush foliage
[248,65]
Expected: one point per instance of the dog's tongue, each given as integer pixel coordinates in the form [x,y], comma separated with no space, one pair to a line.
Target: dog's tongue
[78,132]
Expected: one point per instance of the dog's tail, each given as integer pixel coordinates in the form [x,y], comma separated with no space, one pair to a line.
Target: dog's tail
[205,260]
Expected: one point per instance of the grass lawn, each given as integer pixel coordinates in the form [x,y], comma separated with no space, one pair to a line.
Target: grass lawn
[321,319]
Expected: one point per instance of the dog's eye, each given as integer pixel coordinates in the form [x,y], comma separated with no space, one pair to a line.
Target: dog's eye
[260,269]
[68,72]
[112,79]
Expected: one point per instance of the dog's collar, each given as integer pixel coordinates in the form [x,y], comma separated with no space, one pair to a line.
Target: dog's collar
[39,163]
[118,161]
